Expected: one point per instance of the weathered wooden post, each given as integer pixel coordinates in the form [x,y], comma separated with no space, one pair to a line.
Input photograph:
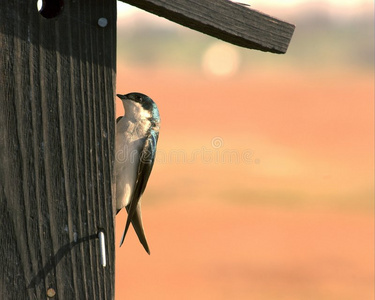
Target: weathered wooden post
[57,84]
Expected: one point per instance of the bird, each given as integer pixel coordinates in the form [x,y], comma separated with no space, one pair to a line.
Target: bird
[137,134]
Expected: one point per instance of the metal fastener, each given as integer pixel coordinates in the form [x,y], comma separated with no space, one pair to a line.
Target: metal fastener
[103,258]
[103,22]
[51,293]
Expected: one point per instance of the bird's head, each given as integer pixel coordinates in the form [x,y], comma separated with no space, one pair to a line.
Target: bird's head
[140,106]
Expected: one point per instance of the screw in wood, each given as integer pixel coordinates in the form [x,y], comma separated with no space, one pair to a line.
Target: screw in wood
[51,293]
[103,22]
[103,258]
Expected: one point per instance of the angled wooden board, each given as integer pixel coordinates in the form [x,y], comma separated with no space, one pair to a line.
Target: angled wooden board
[226,20]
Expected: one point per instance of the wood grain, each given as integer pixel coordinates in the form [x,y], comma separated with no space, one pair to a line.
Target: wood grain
[57,81]
[225,20]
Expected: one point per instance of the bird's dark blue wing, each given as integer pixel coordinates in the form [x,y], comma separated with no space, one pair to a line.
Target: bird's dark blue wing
[147,158]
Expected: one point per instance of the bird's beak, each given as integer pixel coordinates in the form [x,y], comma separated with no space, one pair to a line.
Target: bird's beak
[122,97]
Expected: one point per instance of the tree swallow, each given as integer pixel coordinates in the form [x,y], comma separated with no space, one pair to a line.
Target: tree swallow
[136,138]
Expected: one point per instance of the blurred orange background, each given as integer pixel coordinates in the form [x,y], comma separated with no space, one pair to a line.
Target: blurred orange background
[263,183]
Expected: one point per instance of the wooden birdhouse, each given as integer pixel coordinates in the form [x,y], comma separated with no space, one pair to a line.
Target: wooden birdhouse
[57,124]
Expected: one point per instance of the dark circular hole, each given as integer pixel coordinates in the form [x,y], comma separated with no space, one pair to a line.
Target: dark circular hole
[50,8]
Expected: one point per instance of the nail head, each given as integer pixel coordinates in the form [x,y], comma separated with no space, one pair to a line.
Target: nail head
[103,22]
[51,293]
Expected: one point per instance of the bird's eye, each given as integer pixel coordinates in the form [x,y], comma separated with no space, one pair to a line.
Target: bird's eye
[139,98]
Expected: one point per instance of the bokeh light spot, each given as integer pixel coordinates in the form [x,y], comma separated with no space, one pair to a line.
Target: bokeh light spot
[221,59]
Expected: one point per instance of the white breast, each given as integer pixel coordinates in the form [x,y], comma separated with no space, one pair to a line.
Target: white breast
[130,140]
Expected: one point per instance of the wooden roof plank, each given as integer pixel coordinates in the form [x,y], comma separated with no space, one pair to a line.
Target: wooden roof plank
[226,20]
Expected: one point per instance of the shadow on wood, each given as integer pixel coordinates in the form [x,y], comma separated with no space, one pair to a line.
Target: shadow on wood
[53,261]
